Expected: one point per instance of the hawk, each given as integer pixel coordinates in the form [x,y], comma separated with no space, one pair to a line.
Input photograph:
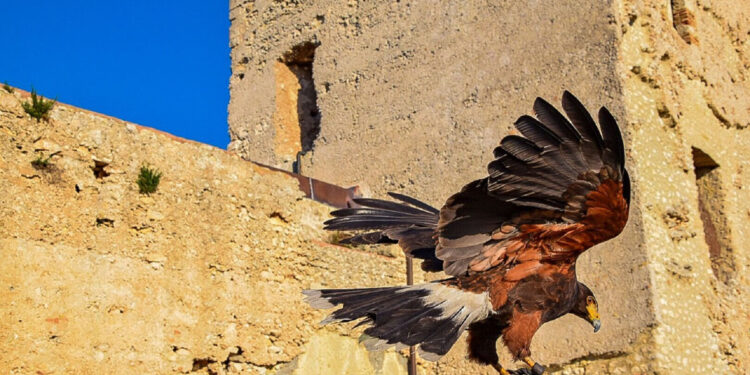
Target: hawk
[508,242]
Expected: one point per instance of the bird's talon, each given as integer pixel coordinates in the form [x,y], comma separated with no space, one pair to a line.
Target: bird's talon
[538,369]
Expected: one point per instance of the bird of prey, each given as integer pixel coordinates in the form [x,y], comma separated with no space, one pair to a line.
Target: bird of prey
[508,242]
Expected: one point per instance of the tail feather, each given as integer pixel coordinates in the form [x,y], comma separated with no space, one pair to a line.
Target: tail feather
[367,304]
[337,296]
[394,327]
[436,344]
[432,315]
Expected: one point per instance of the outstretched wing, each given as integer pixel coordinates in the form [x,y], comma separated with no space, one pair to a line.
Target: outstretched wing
[409,222]
[551,193]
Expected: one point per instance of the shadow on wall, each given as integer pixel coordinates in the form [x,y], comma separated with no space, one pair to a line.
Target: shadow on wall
[711,206]
[300,62]
[297,117]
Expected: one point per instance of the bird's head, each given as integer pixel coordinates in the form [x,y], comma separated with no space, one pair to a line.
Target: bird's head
[586,307]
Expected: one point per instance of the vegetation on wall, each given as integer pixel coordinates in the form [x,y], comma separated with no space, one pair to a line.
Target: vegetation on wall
[148,180]
[38,108]
[41,162]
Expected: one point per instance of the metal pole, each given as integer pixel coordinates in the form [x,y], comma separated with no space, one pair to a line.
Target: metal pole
[412,366]
[297,167]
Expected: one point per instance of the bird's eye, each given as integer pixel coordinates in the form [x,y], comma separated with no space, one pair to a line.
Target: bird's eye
[589,299]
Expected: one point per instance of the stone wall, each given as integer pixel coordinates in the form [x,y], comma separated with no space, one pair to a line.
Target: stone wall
[684,72]
[413,96]
[204,276]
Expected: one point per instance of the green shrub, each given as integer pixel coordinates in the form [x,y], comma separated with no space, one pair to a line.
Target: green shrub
[41,162]
[148,180]
[7,88]
[38,108]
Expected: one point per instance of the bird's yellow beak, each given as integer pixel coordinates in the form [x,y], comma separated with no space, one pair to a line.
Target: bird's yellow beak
[593,311]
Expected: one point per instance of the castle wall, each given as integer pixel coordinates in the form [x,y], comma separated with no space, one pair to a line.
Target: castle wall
[684,71]
[414,96]
[204,276]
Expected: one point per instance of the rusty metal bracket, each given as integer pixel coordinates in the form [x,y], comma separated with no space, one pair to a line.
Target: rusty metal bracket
[321,191]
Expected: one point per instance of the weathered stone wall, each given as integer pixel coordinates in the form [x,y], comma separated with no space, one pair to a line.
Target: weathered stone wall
[684,71]
[414,95]
[204,276]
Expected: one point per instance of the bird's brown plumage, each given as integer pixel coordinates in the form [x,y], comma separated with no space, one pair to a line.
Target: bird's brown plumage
[511,238]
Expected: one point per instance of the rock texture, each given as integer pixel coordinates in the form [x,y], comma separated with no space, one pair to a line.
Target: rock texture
[203,276]
[687,97]
[413,98]
[414,95]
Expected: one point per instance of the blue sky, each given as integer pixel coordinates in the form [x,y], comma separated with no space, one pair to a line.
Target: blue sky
[163,64]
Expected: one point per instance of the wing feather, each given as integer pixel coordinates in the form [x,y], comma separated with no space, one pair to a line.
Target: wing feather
[560,187]
[554,120]
[536,132]
[612,136]
[410,223]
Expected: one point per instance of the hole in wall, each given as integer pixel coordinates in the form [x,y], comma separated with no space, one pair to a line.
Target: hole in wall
[712,213]
[297,116]
[103,221]
[203,363]
[300,62]
[99,169]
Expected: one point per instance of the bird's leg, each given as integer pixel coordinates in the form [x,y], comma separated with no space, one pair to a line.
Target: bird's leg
[500,369]
[536,368]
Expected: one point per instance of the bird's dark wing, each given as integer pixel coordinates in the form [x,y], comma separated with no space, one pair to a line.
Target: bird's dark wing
[406,221]
[556,190]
